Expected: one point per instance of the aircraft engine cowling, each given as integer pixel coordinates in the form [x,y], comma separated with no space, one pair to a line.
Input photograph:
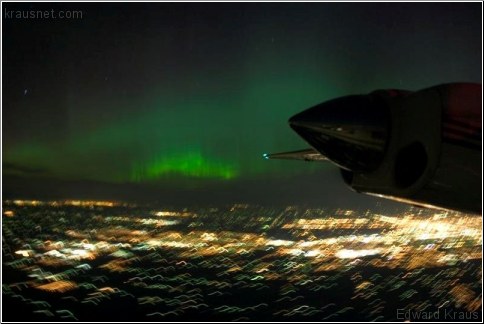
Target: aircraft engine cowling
[422,147]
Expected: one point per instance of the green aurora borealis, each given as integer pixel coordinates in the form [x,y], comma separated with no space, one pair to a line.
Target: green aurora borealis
[189,93]
[177,136]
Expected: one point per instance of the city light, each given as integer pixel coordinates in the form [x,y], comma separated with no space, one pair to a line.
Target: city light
[67,246]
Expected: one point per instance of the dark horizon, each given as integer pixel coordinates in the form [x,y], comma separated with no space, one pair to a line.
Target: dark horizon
[285,194]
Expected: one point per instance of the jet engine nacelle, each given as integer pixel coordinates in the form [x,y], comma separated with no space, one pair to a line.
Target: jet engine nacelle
[422,147]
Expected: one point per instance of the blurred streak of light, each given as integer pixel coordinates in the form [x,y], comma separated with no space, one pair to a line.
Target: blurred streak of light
[58,286]
[353,254]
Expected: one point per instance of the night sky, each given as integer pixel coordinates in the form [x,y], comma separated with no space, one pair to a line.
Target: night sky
[178,102]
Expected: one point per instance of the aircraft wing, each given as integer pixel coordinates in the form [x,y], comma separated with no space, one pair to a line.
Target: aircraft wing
[305,155]
[422,148]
